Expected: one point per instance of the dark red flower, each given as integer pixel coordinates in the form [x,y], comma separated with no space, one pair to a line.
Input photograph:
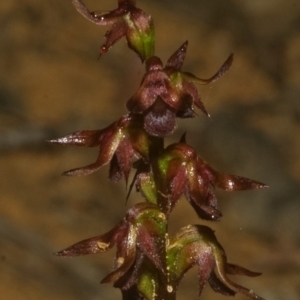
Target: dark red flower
[182,171]
[127,20]
[167,93]
[138,238]
[197,245]
[118,143]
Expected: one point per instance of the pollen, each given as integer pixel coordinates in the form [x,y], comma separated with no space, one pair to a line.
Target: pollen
[120,261]
[169,289]
[231,184]
[162,216]
[102,246]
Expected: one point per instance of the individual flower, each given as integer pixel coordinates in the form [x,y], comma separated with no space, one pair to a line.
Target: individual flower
[197,245]
[139,241]
[182,171]
[118,144]
[167,93]
[127,20]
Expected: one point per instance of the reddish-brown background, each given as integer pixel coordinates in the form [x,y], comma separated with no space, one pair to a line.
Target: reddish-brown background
[51,84]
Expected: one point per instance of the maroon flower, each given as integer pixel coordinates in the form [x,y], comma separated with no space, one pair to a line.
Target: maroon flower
[167,93]
[182,171]
[197,245]
[118,143]
[138,238]
[127,20]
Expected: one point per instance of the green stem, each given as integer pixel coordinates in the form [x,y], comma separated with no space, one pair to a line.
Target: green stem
[166,290]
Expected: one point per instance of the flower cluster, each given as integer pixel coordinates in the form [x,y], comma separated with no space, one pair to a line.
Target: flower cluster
[139,241]
[149,264]
[179,170]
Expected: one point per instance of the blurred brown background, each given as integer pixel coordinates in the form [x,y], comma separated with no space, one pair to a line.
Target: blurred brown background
[51,84]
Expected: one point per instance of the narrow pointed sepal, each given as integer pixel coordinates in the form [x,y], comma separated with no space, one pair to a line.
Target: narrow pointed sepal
[177,58]
[237,183]
[85,138]
[220,73]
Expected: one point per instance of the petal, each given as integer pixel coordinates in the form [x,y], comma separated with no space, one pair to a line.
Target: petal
[124,154]
[198,253]
[185,108]
[153,86]
[151,228]
[177,179]
[200,195]
[115,171]
[190,89]
[203,208]
[151,243]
